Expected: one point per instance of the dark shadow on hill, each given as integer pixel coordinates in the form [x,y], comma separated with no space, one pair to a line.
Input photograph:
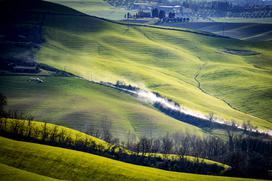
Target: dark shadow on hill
[241,52]
[249,31]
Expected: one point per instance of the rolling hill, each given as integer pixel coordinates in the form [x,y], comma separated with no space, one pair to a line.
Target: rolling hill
[259,29]
[250,31]
[100,146]
[99,8]
[167,62]
[198,71]
[67,164]
[244,20]
[82,105]
[75,52]
[9,173]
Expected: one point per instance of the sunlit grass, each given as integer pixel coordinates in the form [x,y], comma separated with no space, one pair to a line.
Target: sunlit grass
[74,136]
[166,61]
[9,173]
[99,8]
[68,164]
[82,105]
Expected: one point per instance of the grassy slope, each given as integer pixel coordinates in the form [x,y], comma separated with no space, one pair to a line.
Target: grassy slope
[167,62]
[97,8]
[103,145]
[244,20]
[9,173]
[73,134]
[81,105]
[252,31]
[68,164]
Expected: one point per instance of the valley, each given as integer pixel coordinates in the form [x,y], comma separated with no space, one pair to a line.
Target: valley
[87,93]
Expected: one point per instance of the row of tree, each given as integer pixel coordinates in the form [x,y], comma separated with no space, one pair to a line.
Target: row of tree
[155,13]
[249,155]
[26,130]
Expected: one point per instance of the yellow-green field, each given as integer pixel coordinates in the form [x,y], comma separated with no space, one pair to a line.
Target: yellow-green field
[244,20]
[75,135]
[67,164]
[9,173]
[249,31]
[82,105]
[97,8]
[38,127]
[193,69]
[166,61]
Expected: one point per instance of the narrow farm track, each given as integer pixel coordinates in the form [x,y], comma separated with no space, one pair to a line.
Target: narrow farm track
[196,76]
[201,89]
[155,58]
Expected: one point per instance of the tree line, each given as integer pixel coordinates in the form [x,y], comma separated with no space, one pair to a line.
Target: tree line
[20,126]
[249,155]
[26,130]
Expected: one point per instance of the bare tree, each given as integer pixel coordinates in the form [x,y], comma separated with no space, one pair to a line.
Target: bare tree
[156,146]
[53,134]
[62,135]
[44,132]
[144,146]
[3,123]
[15,126]
[3,103]
[106,129]
[211,119]
[131,139]
[184,148]
[167,144]
[29,128]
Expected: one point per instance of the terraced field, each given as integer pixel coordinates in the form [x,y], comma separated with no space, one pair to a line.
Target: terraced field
[68,164]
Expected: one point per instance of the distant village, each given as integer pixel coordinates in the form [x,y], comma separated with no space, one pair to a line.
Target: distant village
[184,11]
[163,13]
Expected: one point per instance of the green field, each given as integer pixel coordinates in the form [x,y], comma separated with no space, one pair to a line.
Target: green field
[82,105]
[67,164]
[9,173]
[190,68]
[244,20]
[205,73]
[166,61]
[38,126]
[249,31]
[97,8]
[75,135]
